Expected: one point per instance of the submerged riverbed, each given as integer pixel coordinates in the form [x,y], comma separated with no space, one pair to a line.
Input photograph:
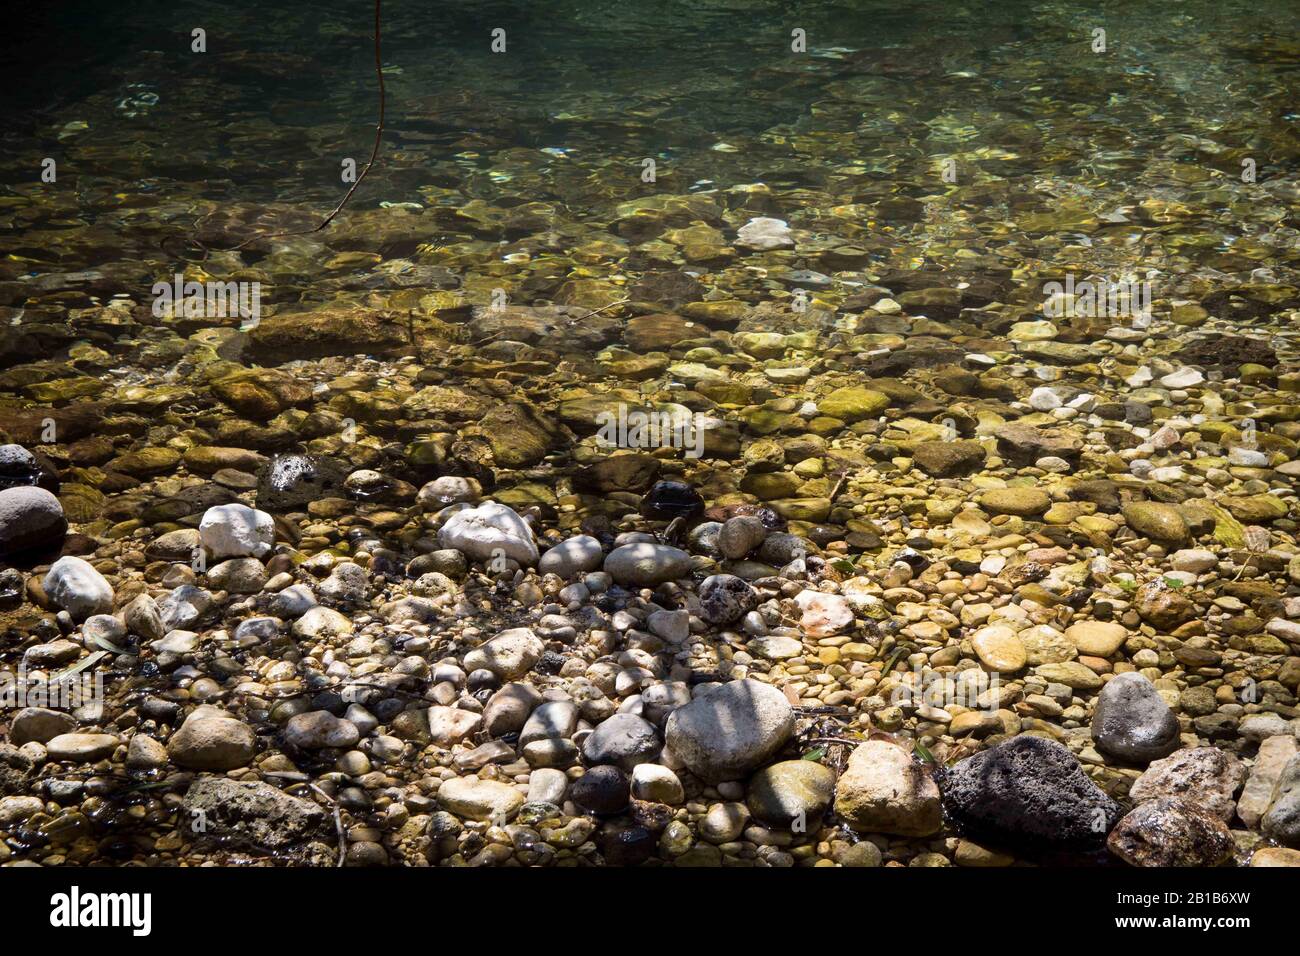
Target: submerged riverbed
[711,434]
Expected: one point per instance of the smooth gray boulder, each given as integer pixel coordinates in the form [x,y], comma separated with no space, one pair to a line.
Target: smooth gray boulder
[730,731]
[31,519]
[1132,723]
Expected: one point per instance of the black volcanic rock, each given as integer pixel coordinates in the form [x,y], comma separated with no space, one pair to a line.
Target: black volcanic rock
[288,482]
[667,500]
[1028,793]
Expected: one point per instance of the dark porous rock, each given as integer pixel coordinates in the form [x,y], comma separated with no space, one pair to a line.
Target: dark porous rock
[31,520]
[623,740]
[667,500]
[626,845]
[19,467]
[601,790]
[288,482]
[725,599]
[256,814]
[1170,832]
[1028,793]
[15,770]
[1132,722]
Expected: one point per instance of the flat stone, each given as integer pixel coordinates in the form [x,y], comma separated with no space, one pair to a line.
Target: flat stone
[1097,638]
[477,799]
[1024,502]
[999,649]
[82,748]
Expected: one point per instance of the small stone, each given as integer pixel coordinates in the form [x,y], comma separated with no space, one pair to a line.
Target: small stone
[1282,821]
[510,655]
[725,599]
[1097,638]
[1024,502]
[763,233]
[39,724]
[212,741]
[1257,795]
[489,531]
[601,790]
[822,614]
[82,748]
[572,557]
[656,784]
[999,649]
[1161,522]
[647,565]
[624,740]
[31,519]
[791,793]
[741,535]
[477,799]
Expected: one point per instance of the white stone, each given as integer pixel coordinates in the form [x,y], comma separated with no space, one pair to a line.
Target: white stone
[658,784]
[76,587]
[237,531]
[1044,399]
[765,233]
[1194,560]
[483,532]
[1247,458]
[1183,378]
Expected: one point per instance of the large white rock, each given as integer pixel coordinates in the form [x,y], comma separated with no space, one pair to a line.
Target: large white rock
[730,731]
[237,531]
[510,655]
[883,790]
[765,233]
[480,532]
[76,587]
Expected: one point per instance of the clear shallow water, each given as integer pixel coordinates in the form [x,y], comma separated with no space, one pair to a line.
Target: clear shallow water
[1011,91]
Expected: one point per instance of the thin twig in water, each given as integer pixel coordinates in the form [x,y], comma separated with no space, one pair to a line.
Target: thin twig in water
[374,152]
[338,823]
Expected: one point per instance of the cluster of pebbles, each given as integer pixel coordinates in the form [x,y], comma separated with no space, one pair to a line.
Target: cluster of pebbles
[881,645]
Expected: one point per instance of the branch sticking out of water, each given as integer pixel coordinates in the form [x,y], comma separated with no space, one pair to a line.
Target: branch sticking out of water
[374,152]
